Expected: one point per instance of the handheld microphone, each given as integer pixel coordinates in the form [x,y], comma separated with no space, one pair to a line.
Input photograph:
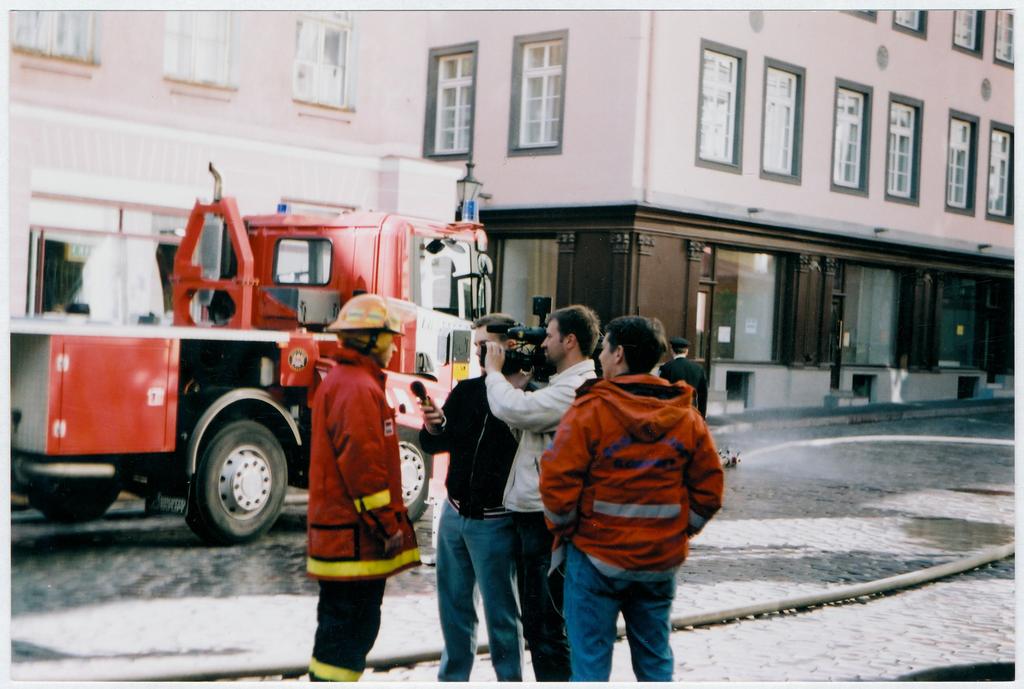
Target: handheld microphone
[419,390]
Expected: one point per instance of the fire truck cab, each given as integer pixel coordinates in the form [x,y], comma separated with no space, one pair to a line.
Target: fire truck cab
[210,416]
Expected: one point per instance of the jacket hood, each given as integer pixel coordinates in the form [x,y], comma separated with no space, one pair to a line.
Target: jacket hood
[646,405]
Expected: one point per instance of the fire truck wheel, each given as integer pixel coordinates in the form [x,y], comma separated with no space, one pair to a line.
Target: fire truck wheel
[73,500]
[239,485]
[416,465]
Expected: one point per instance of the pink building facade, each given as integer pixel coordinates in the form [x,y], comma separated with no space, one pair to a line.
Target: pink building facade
[822,202]
[111,139]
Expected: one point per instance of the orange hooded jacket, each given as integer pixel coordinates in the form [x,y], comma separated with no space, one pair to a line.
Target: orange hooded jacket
[633,473]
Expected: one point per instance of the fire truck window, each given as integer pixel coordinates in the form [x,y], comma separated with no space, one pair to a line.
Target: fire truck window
[442,268]
[303,262]
[213,251]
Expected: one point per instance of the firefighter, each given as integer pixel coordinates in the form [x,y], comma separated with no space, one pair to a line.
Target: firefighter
[358,530]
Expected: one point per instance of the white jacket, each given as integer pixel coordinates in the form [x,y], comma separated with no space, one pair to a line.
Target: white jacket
[537,415]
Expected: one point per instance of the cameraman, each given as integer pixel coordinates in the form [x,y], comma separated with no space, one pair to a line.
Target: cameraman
[572,334]
[476,539]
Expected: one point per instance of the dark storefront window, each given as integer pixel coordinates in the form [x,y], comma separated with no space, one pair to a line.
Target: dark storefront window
[958,330]
[529,268]
[869,326]
[743,314]
[110,261]
[112,278]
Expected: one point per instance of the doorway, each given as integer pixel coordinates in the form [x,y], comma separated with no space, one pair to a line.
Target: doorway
[835,342]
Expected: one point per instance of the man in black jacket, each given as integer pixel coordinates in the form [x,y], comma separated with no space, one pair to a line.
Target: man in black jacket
[681,368]
[476,538]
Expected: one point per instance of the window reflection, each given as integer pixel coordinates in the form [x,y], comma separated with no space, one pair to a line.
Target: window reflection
[529,269]
[869,328]
[743,315]
[111,261]
[115,279]
[444,269]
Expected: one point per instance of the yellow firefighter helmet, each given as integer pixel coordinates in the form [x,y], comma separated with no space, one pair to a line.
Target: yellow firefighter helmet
[366,313]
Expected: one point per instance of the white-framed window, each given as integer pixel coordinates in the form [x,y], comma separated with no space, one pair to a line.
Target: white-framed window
[958,167]
[902,124]
[849,138]
[451,99]
[454,103]
[323,55]
[966,29]
[719,96]
[908,19]
[199,47]
[780,112]
[540,104]
[1000,157]
[66,34]
[1004,36]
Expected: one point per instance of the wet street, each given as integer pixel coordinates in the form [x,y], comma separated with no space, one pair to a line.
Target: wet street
[128,554]
[797,516]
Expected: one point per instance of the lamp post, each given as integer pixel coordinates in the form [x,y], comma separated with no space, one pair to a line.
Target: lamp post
[467,189]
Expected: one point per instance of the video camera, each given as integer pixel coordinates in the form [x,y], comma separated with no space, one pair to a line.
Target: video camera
[526,354]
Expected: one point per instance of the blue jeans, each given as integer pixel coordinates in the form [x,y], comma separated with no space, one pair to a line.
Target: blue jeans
[592,605]
[476,558]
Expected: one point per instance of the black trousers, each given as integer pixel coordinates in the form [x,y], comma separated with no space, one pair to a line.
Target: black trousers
[348,620]
[543,626]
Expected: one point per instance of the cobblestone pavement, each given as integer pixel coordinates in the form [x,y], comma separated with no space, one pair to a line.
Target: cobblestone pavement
[796,521]
[966,619]
[130,555]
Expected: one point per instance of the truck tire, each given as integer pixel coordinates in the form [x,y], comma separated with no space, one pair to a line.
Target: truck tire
[239,486]
[73,500]
[416,466]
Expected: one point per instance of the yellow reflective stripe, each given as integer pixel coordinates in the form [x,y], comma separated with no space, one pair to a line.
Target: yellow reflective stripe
[372,502]
[333,672]
[360,568]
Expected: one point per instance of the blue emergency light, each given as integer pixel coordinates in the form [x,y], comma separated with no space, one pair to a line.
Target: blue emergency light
[282,208]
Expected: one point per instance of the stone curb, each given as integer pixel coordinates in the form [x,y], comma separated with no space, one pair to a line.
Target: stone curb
[867,416]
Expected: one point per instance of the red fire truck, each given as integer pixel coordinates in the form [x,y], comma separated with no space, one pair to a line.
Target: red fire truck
[209,415]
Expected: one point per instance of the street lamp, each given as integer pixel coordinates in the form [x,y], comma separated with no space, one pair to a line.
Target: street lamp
[467,189]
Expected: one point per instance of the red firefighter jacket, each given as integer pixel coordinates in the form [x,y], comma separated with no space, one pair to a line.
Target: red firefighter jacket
[355,479]
[631,475]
